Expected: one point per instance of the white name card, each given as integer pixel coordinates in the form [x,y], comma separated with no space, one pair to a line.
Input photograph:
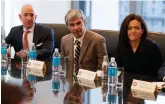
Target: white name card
[86,74]
[143,95]
[37,68]
[143,86]
[87,83]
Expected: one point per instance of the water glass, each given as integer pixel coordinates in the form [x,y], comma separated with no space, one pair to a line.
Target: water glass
[120,78]
[63,66]
[24,61]
[9,57]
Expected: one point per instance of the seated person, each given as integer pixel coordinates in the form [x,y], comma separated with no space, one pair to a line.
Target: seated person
[83,48]
[28,87]
[135,52]
[75,95]
[161,72]
[21,37]
[11,94]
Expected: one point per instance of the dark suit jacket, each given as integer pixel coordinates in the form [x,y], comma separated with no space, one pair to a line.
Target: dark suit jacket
[42,34]
[161,72]
[92,51]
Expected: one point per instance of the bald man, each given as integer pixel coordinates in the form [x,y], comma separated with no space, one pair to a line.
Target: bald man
[41,36]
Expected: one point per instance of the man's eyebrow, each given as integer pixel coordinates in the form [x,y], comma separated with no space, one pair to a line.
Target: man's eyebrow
[78,22]
[27,13]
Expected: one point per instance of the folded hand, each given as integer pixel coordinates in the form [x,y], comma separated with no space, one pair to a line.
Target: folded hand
[22,53]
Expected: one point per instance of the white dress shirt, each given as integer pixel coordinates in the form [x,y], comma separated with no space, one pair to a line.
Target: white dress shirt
[30,36]
[80,40]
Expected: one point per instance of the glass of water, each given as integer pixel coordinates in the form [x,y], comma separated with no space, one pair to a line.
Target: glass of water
[24,61]
[120,78]
[63,66]
[9,57]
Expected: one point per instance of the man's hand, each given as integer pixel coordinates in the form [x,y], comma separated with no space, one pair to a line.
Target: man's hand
[9,52]
[22,53]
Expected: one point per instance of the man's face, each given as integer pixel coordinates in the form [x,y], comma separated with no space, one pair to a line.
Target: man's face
[27,17]
[76,27]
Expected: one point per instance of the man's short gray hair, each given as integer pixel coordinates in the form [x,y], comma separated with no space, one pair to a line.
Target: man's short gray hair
[27,5]
[73,14]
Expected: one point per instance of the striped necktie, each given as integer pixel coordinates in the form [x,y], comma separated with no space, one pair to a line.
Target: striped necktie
[25,40]
[77,54]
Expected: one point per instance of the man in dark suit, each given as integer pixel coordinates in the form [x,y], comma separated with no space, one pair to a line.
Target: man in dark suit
[83,48]
[161,72]
[41,36]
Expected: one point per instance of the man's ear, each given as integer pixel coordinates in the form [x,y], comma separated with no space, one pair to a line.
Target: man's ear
[35,17]
[84,21]
[19,16]
[68,27]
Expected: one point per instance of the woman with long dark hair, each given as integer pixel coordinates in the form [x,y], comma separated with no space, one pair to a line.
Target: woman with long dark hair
[135,52]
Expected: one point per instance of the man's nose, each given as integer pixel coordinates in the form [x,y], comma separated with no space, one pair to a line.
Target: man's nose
[29,17]
[75,27]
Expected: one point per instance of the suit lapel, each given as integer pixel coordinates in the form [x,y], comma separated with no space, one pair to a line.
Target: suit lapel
[84,45]
[34,35]
[21,36]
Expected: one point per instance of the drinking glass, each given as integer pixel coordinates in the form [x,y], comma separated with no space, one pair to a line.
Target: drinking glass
[9,57]
[63,73]
[120,78]
[24,61]
[63,66]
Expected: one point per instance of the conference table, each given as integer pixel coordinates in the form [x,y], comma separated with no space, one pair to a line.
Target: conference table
[83,91]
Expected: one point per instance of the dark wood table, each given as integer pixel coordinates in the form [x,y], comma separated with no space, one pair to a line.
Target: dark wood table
[88,93]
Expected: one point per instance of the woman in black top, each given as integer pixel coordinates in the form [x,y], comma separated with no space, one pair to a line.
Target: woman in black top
[134,52]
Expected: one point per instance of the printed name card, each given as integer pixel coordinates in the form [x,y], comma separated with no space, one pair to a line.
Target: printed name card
[37,68]
[143,86]
[86,74]
[144,95]
[87,83]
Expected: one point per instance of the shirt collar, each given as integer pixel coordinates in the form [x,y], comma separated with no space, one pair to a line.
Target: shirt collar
[31,29]
[81,38]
